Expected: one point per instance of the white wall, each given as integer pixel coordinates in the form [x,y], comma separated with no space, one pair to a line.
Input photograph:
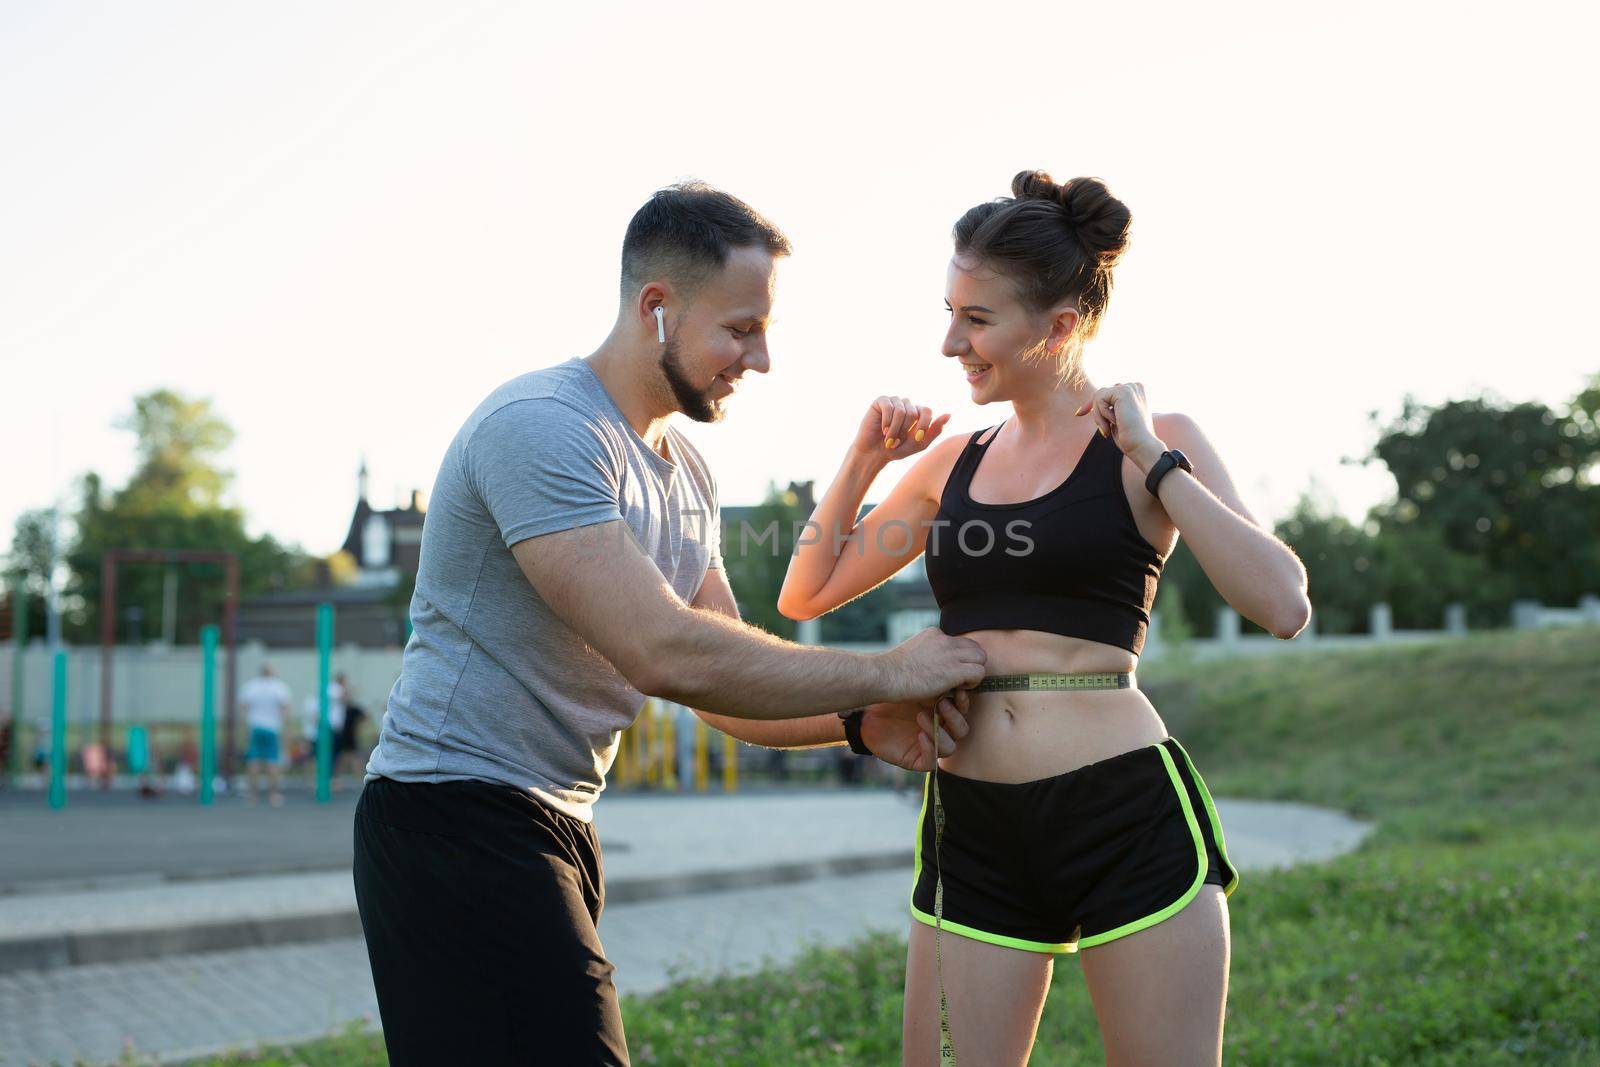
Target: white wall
[160,684]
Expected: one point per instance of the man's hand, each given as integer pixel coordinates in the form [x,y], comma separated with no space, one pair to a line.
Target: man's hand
[931,663]
[902,733]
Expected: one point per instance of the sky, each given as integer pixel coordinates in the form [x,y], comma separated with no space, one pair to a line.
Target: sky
[346,224]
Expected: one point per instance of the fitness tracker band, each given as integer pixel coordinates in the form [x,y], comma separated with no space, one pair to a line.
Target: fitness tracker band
[1169,459]
[852,731]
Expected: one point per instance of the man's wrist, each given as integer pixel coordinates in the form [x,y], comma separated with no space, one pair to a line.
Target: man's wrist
[891,676]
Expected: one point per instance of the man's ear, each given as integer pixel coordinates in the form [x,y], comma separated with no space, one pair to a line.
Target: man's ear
[652,296]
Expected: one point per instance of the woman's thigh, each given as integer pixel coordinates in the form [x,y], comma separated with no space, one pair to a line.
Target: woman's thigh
[1159,994]
[995,996]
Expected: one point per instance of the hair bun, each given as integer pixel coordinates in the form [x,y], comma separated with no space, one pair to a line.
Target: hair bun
[1035,185]
[1099,220]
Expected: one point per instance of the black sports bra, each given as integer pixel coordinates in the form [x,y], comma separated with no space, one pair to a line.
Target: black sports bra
[1069,562]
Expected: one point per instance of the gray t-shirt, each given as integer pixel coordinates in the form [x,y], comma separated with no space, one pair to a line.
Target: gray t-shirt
[493,686]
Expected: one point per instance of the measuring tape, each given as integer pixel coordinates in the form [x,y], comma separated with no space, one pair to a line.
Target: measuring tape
[1036,683]
[947,1047]
[995,683]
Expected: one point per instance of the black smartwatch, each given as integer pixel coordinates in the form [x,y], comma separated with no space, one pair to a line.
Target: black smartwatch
[1169,459]
[852,731]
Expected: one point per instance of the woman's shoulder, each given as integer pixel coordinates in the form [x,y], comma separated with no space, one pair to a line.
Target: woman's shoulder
[932,469]
[1174,427]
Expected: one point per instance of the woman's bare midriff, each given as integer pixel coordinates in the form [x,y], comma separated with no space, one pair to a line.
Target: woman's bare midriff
[1020,737]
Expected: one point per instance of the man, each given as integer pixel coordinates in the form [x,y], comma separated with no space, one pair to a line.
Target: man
[265,699]
[570,566]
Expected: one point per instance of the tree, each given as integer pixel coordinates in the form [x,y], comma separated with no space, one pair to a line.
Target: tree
[1183,581]
[1349,568]
[264,566]
[1342,576]
[179,441]
[1585,408]
[1507,484]
[1493,501]
[1417,574]
[755,554]
[28,563]
[172,501]
[756,547]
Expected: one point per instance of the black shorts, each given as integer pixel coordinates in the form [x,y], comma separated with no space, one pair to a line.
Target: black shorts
[479,905]
[1076,860]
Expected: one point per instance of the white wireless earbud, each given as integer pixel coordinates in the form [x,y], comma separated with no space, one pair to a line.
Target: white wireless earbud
[661,325]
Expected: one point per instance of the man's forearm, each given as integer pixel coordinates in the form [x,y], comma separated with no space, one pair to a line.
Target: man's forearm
[724,666]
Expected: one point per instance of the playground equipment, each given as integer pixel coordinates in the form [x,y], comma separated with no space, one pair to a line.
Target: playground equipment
[108,612]
[208,712]
[58,733]
[324,729]
[142,754]
[647,753]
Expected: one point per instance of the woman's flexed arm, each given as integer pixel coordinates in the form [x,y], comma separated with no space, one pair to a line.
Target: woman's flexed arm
[835,560]
[1257,574]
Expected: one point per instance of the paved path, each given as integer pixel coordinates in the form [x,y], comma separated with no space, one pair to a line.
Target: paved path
[181,1004]
[656,847]
[109,840]
[116,839]
[186,1005]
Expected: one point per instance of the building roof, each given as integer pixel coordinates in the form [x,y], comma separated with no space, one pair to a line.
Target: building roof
[410,517]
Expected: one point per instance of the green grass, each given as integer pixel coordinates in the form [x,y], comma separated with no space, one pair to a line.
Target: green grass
[1438,742]
[1462,931]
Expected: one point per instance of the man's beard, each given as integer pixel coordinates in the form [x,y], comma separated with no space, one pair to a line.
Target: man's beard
[697,404]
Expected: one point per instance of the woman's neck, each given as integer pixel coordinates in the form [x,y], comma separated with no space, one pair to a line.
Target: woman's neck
[1050,415]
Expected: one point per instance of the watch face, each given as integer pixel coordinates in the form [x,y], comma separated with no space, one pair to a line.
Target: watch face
[1183,460]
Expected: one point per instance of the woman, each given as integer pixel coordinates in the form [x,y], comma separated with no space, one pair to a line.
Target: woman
[1071,820]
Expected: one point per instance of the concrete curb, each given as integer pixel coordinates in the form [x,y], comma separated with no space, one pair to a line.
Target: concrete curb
[120,945]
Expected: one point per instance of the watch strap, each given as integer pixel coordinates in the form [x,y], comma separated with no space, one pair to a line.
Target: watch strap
[1168,460]
[852,731]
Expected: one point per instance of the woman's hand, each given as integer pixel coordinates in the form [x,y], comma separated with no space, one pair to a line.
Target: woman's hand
[902,733]
[1120,413]
[894,428]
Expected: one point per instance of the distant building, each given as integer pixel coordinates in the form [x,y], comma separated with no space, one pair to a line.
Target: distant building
[385,541]
[369,610]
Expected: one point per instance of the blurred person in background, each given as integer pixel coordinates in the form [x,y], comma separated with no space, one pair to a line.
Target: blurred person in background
[265,700]
[346,739]
[310,719]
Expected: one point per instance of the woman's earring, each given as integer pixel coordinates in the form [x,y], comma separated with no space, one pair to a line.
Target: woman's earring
[661,325]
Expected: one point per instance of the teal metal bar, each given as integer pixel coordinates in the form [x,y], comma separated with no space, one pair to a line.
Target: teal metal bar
[208,712]
[324,730]
[58,733]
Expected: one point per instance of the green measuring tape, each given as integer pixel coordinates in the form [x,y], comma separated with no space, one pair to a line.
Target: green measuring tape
[995,683]
[1038,683]
[947,1047]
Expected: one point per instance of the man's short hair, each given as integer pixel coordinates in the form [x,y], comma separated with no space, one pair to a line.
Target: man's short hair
[684,233]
